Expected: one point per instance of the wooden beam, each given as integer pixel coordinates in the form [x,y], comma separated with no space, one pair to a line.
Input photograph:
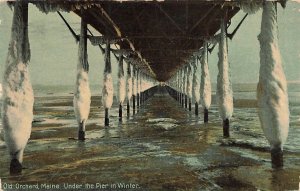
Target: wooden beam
[202,18]
[172,20]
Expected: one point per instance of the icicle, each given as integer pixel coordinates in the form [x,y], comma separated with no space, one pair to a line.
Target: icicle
[273,105]
[17,108]
[224,89]
[129,88]
[108,89]
[121,86]
[82,94]
[205,88]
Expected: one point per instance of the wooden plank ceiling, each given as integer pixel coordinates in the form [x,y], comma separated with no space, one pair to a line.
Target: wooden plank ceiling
[163,35]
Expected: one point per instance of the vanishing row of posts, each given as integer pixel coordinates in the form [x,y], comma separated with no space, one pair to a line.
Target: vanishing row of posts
[187,87]
[272,97]
[18,98]
[17,107]
[137,88]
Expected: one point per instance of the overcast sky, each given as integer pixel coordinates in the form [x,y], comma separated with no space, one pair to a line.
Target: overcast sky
[54,51]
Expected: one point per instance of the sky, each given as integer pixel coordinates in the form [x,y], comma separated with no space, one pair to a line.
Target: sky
[54,50]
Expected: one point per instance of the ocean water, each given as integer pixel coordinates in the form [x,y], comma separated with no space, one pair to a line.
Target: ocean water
[162,140]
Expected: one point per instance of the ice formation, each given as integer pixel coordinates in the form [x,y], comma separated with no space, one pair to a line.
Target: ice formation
[224,89]
[108,88]
[273,105]
[189,82]
[134,88]
[250,6]
[121,82]
[129,82]
[205,87]
[184,89]
[17,108]
[82,94]
[140,83]
[196,83]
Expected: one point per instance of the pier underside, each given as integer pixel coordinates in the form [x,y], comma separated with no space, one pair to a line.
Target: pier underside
[159,37]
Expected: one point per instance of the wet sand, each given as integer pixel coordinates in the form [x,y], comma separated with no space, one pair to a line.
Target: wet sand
[161,147]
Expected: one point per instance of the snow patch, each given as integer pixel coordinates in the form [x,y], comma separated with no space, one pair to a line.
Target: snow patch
[163,123]
[161,120]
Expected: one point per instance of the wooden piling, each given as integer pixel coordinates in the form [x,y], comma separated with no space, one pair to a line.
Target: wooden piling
[120,112]
[128,108]
[196,109]
[205,115]
[81,131]
[226,128]
[133,103]
[277,157]
[106,117]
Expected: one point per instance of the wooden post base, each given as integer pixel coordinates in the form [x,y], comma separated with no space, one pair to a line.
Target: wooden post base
[196,109]
[81,135]
[106,123]
[15,167]
[120,112]
[205,115]
[277,158]
[128,108]
[226,128]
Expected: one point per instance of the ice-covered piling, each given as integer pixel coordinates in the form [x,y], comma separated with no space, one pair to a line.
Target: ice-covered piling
[134,89]
[185,86]
[196,86]
[121,87]
[181,87]
[138,88]
[82,93]
[205,87]
[224,89]
[129,88]
[189,86]
[17,107]
[178,85]
[272,97]
[108,89]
